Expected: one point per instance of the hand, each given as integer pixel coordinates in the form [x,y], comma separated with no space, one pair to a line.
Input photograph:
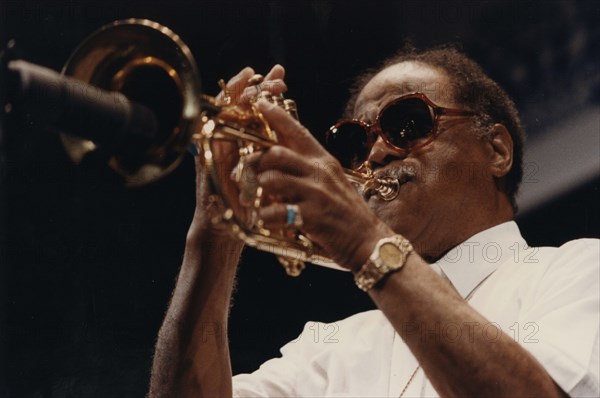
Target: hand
[240,92]
[302,172]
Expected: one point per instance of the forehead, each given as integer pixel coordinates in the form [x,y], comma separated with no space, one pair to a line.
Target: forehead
[404,78]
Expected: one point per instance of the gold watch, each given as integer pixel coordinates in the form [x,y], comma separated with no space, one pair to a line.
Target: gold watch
[389,255]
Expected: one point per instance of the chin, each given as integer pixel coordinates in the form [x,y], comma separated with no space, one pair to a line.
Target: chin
[393,213]
[403,219]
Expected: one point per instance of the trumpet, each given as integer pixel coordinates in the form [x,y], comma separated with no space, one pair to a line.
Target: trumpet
[246,131]
[150,65]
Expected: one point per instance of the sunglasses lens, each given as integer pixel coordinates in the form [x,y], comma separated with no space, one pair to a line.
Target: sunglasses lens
[405,122]
[348,143]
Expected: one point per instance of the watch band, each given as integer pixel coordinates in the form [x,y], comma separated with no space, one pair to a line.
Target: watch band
[377,267]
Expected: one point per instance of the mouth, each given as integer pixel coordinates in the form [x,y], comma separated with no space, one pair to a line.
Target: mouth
[402,174]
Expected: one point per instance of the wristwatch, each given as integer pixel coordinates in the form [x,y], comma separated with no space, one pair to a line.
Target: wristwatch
[388,256]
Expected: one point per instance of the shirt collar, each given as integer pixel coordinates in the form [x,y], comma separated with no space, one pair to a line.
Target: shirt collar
[468,264]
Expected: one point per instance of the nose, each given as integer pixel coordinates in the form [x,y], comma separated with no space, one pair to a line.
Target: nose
[382,154]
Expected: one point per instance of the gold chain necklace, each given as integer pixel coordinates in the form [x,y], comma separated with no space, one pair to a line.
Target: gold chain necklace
[412,376]
[414,373]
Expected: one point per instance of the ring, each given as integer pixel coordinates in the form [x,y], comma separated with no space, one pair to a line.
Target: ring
[258,90]
[294,218]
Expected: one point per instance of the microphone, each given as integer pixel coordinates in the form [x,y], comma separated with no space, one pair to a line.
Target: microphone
[108,118]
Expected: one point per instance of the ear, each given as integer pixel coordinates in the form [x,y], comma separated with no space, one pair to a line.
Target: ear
[502,151]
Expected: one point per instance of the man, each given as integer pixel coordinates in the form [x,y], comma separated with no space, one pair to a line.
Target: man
[465,307]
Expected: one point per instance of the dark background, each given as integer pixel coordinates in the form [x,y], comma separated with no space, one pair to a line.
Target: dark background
[88,266]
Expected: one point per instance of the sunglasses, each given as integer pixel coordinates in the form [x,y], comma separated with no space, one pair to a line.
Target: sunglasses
[405,124]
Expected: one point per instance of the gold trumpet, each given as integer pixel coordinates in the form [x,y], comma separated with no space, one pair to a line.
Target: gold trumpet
[151,65]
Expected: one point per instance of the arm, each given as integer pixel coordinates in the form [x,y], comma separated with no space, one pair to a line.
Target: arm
[192,352]
[469,366]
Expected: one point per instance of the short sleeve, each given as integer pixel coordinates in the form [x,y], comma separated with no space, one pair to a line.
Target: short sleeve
[565,316]
[293,374]
[350,357]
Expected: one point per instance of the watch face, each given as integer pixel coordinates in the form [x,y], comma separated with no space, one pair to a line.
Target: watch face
[390,254]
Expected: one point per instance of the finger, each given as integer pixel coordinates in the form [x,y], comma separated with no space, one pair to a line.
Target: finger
[274,80]
[237,84]
[276,72]
[277,184]
[279,158]
[275,87]
[277,215]
[250,93]
[290,132]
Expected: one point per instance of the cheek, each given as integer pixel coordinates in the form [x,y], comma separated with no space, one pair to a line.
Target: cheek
[451,166]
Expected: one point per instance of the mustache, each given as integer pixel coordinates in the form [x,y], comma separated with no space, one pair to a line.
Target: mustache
[402,173]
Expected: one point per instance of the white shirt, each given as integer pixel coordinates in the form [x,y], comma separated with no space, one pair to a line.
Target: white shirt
[547,299]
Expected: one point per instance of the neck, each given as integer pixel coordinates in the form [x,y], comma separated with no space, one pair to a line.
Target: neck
[435,245]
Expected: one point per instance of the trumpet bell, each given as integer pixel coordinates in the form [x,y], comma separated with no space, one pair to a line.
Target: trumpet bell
[152,66]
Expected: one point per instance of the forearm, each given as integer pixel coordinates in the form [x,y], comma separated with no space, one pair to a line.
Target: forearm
[419,304]
[192,353]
